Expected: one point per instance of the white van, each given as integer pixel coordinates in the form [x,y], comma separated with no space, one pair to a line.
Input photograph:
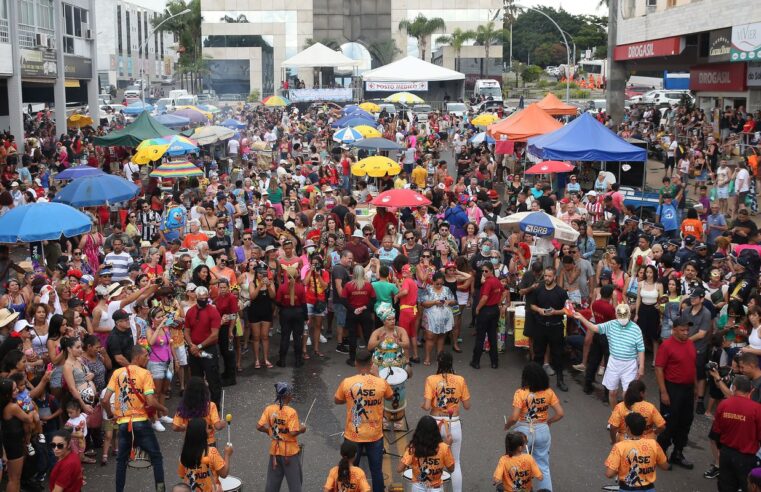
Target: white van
[174,94]
[488,88]
[187,100]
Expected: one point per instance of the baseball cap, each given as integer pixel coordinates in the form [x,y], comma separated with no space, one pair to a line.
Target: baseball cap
[269,248]
[119,315]
[87,279]
[190,287]
[698,292]
[357,233]
[21,325]
[719,256]
[689,240]
[623,313]
[592,193]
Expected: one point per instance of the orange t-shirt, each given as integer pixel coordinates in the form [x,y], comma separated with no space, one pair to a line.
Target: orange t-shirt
[205,478]
[211,419]
[534,406]
[517,472]
[191,239]
[357,481]
[127,404]
[446,391]
[692,227]
[281,421]
[636,460]
[364,395]
[428,470]
[651,414]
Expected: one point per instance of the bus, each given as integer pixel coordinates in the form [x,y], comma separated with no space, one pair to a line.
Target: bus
[595,70]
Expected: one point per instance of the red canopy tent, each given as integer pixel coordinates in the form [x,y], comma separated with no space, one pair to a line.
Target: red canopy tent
[524,124]
[555,107]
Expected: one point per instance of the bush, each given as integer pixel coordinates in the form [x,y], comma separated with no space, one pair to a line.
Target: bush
[542,84]
[254,96]
[531,73]
[580,94]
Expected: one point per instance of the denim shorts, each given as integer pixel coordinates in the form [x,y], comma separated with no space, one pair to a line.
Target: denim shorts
[158,369]
[340,311]
[311,311]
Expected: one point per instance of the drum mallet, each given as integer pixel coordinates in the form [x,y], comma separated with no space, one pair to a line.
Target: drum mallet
[229,420]
[301,446]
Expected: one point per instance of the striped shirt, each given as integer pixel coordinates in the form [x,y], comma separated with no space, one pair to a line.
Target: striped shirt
[119,262]
[624,342]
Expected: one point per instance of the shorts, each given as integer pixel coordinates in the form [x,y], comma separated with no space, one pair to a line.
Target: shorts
[312,312]
[157,369]
[181,355]
[574,296]
[259,312]
[108,425]
[463,298]
[340,312]
[700,366]
[407,317]
[619,372]
[56,377]
[722,192]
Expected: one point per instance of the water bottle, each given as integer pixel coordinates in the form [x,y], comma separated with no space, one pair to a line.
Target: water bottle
[206,355]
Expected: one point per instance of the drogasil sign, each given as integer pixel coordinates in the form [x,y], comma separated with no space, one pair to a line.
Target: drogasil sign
[649,49]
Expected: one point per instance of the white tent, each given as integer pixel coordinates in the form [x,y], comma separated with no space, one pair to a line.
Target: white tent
[318,55]
[411,69]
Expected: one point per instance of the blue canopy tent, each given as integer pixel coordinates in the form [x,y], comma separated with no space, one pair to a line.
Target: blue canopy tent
[172,121]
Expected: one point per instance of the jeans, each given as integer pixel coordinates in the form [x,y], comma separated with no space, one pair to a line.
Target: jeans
[539,441]
[374,452]
[291,323]
[678,416]
[551,335]
[486,324]
[734,467]
[145,439]
[208,368]
[363,319]
[286,468]
[227,351]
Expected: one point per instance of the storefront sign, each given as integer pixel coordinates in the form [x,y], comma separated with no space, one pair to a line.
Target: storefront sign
[396,86]
[38,63]
[719,45]
[746,43]
[309,95]
[649,49]
[754,74]
[718,77]
[77,67]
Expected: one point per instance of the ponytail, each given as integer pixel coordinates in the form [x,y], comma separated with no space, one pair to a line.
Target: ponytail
[348,452]
[634,393]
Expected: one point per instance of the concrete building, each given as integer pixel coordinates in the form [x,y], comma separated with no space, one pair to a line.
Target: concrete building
[128,48]
[247,40]
[717,41]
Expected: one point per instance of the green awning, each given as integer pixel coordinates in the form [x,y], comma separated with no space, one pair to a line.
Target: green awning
[143,128]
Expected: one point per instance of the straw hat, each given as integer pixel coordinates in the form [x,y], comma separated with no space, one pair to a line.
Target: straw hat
[7,316]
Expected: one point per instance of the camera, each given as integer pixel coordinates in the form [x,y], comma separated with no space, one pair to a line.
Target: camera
[712,366]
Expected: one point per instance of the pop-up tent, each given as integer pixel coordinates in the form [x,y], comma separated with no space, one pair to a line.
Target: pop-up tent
[414,70]
[319,55]
[143,128]
[555,107]
[585,139]
[524,124]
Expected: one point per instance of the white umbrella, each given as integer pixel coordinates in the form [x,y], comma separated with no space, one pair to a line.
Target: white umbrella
[206,135]
[563,232]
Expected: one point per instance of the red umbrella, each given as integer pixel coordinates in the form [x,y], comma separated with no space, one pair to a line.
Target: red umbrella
[400,198]
[548,167]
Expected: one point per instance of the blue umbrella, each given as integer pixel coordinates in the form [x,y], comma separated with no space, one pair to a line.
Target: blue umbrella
[77,172]
[137,108]
[349,108]
[481,137]
[353,121]
[42,221]
[377,143]
[231,123]
[97,190]
[347,135]
[172,120]
[358,113]
[538,224]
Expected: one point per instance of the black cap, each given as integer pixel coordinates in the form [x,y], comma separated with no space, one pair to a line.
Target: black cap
[719,256]
[689,240]
[698,292]
[120,315]
[658,226]
[683,321]
[701,246]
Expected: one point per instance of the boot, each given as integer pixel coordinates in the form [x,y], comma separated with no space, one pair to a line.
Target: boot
[678,459]
[560,381]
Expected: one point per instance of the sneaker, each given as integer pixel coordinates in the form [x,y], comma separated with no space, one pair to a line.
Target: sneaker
[712,472]
[166,419]
[30,449]
[41,438]
[601,371]
[323,339]
[579,367]
[700,408]
[549,370]
[342,348]
[158,427]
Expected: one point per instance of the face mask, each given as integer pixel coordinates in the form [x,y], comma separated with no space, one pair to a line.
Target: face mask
[310,250]
[202,303]
[495,261]
[486,250]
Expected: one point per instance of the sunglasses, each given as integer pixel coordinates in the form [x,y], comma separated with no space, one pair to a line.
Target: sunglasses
[426,256]
[78,253]
[58,445]
[411,238]
[269,220]
[484,271]
[368,234]
[133,216]
[247,239]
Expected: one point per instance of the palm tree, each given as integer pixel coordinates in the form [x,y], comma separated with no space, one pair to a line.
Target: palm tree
[330,43]
[421,29]
[187,29]
[384,51]
[486,36]
[456,40]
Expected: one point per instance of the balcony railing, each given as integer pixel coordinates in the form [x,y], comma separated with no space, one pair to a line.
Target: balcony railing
[28,35]
[4,31]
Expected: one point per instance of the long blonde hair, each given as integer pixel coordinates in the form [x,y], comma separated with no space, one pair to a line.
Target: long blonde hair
[359,276]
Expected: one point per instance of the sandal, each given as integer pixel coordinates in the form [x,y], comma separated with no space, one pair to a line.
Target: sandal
[104,460]
[426,363]
[268,364]
[87,460]
[257,365]
[305,356]
[457,349]
[319,354]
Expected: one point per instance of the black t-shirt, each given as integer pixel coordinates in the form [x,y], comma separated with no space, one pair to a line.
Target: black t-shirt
[476,263]
[749,224]
[340,210]
[546,203]
[119,343]
[550,298]
[340,273]
[217,242]
[263,241]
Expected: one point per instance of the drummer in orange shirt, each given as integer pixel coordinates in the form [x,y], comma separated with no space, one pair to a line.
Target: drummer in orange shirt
[517,469]
[634,401]
[634,460]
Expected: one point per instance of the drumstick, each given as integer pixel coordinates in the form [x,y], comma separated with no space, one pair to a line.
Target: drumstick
[505,417]
[222,410]
[229,419]
[310,411]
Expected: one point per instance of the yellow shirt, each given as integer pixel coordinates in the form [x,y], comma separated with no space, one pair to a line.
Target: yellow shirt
[515,473]
[205,477]
[364,395]
[130,385]
[357,481]
[428,470]
[635,460]
[651,414]
[445,392]
[281,421]
[419,176]
[534,406]
[211,419]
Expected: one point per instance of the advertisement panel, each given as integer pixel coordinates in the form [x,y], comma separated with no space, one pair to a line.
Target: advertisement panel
[396,86]
[308,95]
[719,45]
[77,67]
[754,74]
[718,77]
[746,43]
[38,63]
[649,49]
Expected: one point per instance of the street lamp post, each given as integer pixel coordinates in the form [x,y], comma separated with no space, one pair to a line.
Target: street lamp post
[567,49]
[144,47]
[573,42]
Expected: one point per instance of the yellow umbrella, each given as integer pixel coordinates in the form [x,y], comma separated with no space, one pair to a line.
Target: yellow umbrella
[196,108]
[78,120]
[484,119]
[370,107]
[376,166]
[404,98]
[367,131]
[149,153]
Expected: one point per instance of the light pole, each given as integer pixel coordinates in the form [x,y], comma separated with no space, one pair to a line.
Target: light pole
[573,42]
[144,47]
[567,49]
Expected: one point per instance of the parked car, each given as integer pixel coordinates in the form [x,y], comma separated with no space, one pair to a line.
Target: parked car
[421,111]
[457,109]
[485,106]
[636,90]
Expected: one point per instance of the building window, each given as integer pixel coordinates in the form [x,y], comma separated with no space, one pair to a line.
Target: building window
[74,26]
[119,28]
[145,32]
[4,25]
[156,38]
[139,35]
[129,33]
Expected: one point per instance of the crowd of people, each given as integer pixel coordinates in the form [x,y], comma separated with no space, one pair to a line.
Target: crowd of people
[180,288]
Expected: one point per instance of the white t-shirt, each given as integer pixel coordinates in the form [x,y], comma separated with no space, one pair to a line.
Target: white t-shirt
[722,175]
[684,165]
[742,181]
[233,146]
[672,148]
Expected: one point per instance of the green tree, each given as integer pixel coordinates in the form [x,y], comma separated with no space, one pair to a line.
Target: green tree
[330,43]
[187,28]
[530,73]
[549,54]
[384,51]
[457,40]
[421,29]
[486,36]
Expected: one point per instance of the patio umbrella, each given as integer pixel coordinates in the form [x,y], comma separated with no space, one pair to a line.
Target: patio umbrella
[105,189]
[155,148]
[42,221]
[351,120]
[376,143]
[548,167]
[194,115]
[370,107]
[480,138]
[205,135]
[78,120]
[368,131]
[376,166]
[540,224]
[359,113]
[484,119]
[231,123]
[137,108]
[178,169]
[209,108]
[77,172]
[275,101]
[404,98]
[172,120]
[400,198]
[347,135]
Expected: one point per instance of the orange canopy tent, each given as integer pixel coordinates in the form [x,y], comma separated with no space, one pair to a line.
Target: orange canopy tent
[524,124]
[555,107]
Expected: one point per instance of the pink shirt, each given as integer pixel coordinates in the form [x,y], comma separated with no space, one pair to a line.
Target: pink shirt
[161,350]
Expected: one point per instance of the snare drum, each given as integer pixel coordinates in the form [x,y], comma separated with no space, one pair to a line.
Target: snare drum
[141,460]
[231,483]
[393,409]
[410,486]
